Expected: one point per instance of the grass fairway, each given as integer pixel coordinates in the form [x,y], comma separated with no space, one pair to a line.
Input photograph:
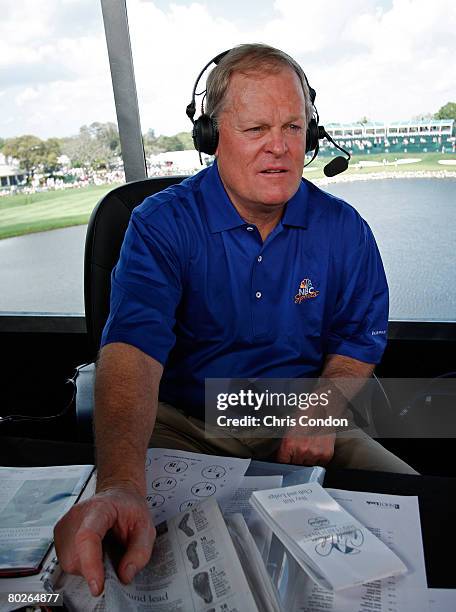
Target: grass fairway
[24,214]
[428,163]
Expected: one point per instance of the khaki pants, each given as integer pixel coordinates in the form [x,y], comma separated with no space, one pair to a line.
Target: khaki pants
[353,450]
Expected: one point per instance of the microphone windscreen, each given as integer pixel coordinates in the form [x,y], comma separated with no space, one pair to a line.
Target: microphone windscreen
[336,166]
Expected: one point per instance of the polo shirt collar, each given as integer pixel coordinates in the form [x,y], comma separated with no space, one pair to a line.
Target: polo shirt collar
[222,215]
[220,212]
[295,214]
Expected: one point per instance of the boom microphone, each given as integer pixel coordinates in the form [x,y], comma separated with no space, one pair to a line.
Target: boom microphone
[336,166]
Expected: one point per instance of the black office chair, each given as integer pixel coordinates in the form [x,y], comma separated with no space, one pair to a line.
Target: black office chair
[105,233]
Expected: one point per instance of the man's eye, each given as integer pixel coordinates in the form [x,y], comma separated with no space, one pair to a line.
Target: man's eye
[294,128]
[256,128]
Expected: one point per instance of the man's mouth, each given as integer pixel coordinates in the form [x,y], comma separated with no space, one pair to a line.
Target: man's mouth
[270,171]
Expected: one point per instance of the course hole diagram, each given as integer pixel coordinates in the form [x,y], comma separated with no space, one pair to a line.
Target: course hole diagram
[176,467]
[215,472]
[186,505]
[165,483]
[203,489]
[155,500]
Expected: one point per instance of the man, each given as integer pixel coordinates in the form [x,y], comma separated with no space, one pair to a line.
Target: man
[206,287]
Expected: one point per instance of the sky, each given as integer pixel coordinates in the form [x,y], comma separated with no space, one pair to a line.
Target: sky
[384,59]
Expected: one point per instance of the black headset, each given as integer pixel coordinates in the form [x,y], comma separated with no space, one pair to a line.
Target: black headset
[205,132]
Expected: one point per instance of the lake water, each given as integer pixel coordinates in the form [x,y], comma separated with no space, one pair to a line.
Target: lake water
[413,220]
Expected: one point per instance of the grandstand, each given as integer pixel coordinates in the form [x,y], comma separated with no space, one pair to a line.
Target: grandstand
[423,136]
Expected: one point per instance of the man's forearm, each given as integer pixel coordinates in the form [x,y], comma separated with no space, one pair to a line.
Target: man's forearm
[347,376]
[126,395]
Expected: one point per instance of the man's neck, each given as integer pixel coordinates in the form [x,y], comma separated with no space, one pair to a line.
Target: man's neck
[265,222]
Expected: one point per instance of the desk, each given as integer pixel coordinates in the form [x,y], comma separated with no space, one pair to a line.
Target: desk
[437,495]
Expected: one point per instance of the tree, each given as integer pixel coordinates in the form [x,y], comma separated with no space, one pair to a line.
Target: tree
[27,149]
[33,153]
[363,120]
[186,140]
[150,143]
[447,112]
[96,146]
[51,151]
[161,144]
[107,134]
[423,117]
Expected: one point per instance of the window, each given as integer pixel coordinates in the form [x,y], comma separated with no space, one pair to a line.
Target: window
[59,149]
[58,88]
[395,208]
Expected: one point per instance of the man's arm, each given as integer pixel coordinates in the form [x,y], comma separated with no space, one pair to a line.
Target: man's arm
[126,396]
[319,449]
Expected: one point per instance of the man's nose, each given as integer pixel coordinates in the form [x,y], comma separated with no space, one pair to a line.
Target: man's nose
[276,143]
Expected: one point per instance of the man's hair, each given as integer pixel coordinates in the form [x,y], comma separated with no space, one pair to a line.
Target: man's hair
[250,58]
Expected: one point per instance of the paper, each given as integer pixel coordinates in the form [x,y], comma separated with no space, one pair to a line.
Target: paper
[395,520]
[178,480]
[194,568]
[31,501]
[331,545]
[442,600]
[239,502]
[260,583]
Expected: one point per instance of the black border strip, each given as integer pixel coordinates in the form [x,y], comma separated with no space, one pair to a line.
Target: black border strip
[75,323]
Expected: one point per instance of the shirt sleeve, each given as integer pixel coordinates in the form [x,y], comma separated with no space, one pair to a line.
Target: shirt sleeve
[146,288]
[360,321]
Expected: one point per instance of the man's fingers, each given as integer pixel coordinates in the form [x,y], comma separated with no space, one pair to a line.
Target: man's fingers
[88,542]
[284,453]
[89,550]
[310,450]
[139,548]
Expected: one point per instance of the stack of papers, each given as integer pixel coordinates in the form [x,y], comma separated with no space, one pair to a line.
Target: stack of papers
[330,545]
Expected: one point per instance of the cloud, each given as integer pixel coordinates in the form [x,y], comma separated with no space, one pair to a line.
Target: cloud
[387,60]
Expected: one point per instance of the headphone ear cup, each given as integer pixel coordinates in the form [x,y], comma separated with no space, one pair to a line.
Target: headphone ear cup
[312,136]
[205,135]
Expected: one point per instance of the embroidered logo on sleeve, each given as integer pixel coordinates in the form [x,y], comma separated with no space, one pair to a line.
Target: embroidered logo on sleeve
[306,291]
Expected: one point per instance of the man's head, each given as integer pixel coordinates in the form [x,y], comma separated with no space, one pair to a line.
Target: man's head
[250,58]
[260,101]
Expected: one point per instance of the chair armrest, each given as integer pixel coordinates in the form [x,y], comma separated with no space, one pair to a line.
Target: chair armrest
[85,402]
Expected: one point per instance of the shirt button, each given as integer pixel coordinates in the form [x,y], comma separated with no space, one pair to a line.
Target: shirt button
[259,258]
[258,294]
[249,228]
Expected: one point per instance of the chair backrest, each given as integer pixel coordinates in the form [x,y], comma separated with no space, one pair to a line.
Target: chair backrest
[105,234]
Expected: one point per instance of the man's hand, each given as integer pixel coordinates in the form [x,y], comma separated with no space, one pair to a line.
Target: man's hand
[306,450]
[79,535]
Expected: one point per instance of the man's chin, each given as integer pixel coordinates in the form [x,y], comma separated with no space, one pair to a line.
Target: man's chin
[278,198]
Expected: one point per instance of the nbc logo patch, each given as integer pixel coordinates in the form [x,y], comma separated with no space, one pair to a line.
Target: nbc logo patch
[306,291]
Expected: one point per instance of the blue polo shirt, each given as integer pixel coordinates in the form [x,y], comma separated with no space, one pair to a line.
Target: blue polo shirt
[198,290]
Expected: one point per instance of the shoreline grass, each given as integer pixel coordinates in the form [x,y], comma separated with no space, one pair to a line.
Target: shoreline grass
[38,212]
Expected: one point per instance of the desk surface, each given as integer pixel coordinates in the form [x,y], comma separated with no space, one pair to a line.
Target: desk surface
[437,495]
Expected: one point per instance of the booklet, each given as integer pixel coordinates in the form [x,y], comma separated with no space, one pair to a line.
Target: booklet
[395,519]
[330,545]
[195,567]
[32,500]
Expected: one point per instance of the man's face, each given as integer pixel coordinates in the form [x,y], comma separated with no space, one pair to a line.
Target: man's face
[262,139]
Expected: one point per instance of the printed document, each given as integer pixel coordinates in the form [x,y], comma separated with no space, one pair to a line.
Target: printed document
[395,520]
[178,480]
[32,500]
[331,545]
[194,567]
